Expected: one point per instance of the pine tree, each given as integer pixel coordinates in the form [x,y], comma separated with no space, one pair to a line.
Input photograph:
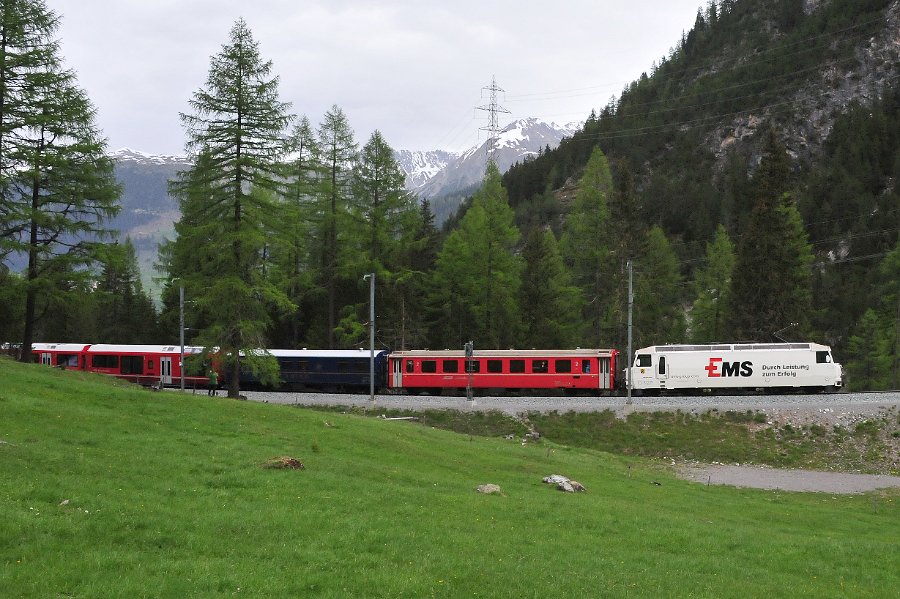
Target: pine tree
[236,133]
[712,286]
[57,188]
[771,283]
[548,300]
[585,243]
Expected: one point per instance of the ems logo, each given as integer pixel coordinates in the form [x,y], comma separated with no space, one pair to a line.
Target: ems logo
[717,368]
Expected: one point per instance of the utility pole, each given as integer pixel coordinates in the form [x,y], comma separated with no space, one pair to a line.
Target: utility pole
[492,109]
[470,352]
[371,278]
[630,308]
[181,331]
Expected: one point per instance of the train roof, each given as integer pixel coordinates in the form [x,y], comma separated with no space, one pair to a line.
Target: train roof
[73,347]
[734,347]
[324,353]
[142,349]
[505,353]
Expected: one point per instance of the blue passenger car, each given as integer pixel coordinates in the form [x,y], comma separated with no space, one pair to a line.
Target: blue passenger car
[325,370]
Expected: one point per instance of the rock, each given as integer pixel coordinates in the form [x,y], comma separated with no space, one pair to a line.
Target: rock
[564,483]
[489,489]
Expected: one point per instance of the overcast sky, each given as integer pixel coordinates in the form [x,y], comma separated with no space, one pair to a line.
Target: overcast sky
[412,69]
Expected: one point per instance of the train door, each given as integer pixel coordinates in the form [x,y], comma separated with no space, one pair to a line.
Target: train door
[397,373]
[663,371]
[604,373]
[165,371]
[46,358]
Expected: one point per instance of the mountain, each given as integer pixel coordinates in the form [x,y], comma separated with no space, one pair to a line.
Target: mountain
[460,175]
[148,212]
[420,166]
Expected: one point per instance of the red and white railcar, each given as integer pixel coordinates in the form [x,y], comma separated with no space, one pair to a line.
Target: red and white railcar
[143,364]
[587,370]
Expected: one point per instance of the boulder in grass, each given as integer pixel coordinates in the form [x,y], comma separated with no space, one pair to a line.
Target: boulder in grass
[489,489]
[563,483]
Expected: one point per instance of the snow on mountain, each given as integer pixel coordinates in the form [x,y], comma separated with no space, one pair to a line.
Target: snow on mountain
[138,157]
[420,166]
[519,139]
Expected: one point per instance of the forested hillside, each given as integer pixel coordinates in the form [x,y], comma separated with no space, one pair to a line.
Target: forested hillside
[685,143]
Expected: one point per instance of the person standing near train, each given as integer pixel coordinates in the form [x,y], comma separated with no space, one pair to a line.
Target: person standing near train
[213,382]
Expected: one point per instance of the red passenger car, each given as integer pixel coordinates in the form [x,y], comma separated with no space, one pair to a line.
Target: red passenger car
[587,370]
[143,364]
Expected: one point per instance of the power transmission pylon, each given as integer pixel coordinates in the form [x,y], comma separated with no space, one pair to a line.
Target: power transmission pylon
[493,109]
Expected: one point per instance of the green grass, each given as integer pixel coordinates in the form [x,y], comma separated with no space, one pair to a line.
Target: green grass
[713,436]
[167,496]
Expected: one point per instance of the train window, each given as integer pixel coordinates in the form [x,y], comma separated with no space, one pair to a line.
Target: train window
[132,364]
[429,366]
[563,366]
[344,366]
[539,366]
[104,361]
[451,366]
[495,366]
[517,366]
[360,366]
[67,360]
[822,357]
[149,364]
[586,366]
[410,366]
[302,365]
[643,360]
[473,366]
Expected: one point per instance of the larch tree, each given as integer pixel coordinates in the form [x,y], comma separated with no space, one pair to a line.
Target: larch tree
[478,275]
[338,152]
[712,286]
[293,265]
[585,243]
[57,187]
[658,313]
[382,222]
[228,200]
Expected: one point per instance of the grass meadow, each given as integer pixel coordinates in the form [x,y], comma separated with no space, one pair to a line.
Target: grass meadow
[107,490]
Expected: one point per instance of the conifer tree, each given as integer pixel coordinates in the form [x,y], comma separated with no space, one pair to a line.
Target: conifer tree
[236,133]
[772,276]
[338,151]
[712,286]
[57,189]
[125,313]
[658,312]
[549,301]
[585,243]
[478,276]
[383,221]
[294,270]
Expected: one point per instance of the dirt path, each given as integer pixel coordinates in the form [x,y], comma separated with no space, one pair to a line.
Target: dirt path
[761,477]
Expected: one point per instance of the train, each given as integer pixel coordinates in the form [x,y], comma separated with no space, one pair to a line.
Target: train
[655,369]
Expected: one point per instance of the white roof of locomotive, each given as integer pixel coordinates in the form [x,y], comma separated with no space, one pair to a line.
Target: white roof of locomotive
[734,347]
